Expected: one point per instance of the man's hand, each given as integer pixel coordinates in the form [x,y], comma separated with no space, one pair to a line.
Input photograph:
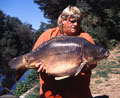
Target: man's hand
[39,67]
[90,66]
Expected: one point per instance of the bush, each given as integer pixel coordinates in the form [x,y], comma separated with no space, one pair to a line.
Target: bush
[23,86]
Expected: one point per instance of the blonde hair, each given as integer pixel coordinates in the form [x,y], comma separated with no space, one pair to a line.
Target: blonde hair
[69,12]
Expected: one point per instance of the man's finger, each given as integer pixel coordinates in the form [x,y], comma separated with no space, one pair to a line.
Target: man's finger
[40,68]
[38,64]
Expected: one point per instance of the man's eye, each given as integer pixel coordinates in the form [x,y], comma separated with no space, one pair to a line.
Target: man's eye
[78,22]
[73,21]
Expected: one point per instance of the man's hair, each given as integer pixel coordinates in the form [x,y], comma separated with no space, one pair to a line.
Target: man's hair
[69,12]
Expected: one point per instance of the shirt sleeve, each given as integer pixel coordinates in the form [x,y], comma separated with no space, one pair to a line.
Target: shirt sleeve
[47,35]
[42,38]
[87,37]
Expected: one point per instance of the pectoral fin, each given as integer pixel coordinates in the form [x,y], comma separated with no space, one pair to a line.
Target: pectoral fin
[79,68]
[60,78]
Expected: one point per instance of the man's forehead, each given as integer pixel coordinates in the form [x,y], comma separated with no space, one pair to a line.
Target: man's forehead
[73,19]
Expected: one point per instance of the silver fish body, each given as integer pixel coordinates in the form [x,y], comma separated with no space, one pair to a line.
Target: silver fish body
[61,56]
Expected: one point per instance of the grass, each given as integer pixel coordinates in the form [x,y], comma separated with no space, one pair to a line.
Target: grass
[98,81]
[35,93]
[104,68]
[23,86]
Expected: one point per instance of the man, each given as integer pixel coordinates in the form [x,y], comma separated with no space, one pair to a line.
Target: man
[72,87]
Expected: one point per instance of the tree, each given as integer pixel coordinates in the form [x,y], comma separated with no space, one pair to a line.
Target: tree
[16,39]
[109,13]
[101,17]
[24,31]
[53,8]
[2,18]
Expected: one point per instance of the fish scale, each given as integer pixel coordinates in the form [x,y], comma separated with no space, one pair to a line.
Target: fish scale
[61,56]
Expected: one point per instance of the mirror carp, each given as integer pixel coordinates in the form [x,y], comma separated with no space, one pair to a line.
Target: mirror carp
[61,56]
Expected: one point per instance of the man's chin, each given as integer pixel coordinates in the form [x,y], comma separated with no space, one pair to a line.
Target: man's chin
[73,33]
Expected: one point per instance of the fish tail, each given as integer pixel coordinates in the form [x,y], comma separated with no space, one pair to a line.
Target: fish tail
[19,73]
[16,63]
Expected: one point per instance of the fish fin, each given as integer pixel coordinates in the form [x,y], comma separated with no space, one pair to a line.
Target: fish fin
[19,73]
[60,78]
[16,62]
[79,68]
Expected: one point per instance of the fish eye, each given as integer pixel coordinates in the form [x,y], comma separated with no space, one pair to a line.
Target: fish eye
[26,60]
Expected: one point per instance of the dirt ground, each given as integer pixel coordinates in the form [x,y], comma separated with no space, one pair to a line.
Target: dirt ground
[102,88]
[110,88]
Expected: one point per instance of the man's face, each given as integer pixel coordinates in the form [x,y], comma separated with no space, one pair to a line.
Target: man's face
[71,26]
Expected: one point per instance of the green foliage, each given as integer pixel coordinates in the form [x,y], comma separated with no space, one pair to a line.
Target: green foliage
[0,83]
[40,30]
[101,20]
[15,39]
[91,23]
[35,93]
[109,13]
[33,77]
[52,8]
[103,74]
[23,86]
[33,96]
[101,17]
[98,81]
[37,89]
[103,69]
[112,43]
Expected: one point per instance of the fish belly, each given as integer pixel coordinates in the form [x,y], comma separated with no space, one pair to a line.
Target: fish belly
[63,64]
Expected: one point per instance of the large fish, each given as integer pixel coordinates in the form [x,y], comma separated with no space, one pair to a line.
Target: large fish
[61,56]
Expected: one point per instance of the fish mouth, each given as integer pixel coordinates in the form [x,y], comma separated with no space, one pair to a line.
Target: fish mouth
[106,55]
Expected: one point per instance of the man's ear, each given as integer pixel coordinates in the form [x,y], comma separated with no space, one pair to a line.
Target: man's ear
[63,21]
